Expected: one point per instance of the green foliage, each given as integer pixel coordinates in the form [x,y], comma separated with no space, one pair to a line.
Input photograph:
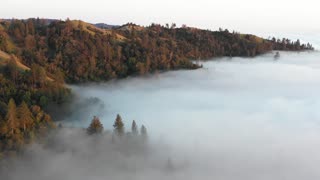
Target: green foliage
[43,101]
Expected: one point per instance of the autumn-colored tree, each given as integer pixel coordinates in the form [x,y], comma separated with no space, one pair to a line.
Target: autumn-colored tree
[13,136]
[12,69]
[118,126]
[11,117]
[95,127]
[25,117]
[134,128]
[38,75]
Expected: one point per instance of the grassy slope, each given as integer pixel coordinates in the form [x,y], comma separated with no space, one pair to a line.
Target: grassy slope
[5,58]
[93,29]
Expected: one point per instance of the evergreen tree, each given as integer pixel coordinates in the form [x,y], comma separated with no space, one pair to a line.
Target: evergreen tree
[12,69]
[11,117]
[25,117]
[14,138]
[134,128]
[95,127]
[118,126]
[143,131]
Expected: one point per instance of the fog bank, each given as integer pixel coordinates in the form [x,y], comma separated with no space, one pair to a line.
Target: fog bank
[250,118]
[239,118]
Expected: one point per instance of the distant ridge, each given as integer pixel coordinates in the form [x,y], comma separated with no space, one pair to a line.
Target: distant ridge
[106,26]
[83,51]
[49,21]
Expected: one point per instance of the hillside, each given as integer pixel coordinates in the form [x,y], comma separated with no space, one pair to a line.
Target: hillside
[84,52]
[5,58]
[38,55]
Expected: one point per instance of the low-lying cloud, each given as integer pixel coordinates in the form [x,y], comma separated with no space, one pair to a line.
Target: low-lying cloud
[239,118]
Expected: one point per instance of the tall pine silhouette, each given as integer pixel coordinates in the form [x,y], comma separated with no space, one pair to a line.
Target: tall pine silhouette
[95,127]
[134,128]
[118,126]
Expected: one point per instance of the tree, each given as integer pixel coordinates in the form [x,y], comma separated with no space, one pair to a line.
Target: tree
[134,128]
[143,131]
[43,101]
[38,75]
[11,117]
[12,69]
[118,126]
[13,136]
[25,117]
[95,127]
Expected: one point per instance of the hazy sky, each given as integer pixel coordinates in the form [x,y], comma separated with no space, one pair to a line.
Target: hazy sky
[243,15]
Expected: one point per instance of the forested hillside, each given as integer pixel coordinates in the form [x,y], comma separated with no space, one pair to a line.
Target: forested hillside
[37,56]
[82,52]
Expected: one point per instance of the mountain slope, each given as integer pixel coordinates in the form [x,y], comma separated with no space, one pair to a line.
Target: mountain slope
[84,52]
[38,55]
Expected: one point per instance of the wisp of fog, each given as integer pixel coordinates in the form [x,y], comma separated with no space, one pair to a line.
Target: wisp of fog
[236,118]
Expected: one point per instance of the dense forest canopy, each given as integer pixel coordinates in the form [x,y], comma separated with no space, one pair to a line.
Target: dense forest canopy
[37,56]
[83,52]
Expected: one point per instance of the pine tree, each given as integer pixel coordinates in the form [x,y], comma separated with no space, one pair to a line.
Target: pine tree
[118,126]
[11,117]
[143,131]
[95,127]
[14,138]
[25,117]
[12,69]
[134,128]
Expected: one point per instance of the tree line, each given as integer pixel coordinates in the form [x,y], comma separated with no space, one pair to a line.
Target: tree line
[96,128]
[82,52]
[74,51]
[22,125]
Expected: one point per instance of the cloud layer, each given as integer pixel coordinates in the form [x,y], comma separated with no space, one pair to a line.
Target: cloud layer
[239,118]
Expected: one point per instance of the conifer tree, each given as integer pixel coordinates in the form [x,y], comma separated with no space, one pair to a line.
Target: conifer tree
[143,131]
[118,126]
[25,117]
[11,117]
[12,69]
[95,127]
[14,138]
[134,128]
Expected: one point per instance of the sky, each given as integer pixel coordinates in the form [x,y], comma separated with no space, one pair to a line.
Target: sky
[250,16]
